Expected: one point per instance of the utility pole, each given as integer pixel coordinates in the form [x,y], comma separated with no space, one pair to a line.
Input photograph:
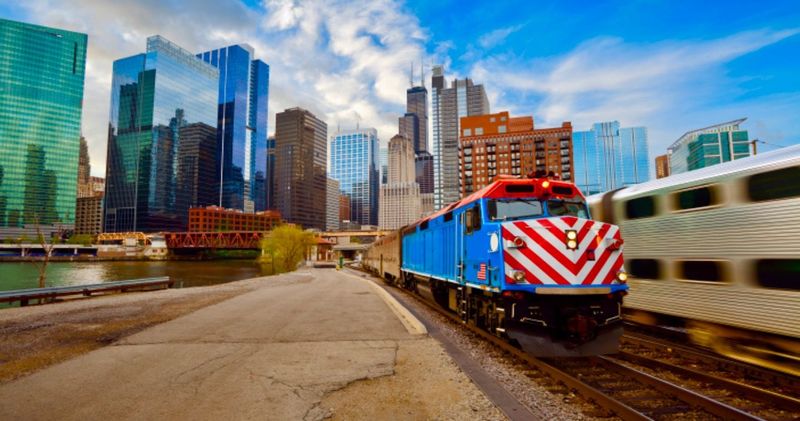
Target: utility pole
[754,142]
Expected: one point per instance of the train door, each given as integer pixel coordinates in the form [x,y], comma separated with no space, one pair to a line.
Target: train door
[474,247]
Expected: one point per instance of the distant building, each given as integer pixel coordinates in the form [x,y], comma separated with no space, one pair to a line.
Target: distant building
[384,158]
[162,136]
[400,197]
[495,144]
[41,100]
[662,166]
[217,219]
[242,127]
[270,184]
[84,170]
[344,208]
[448,106]
[89,215]
[301,150]
[709,146]
[354,163]
[424,170]
[609,157]
[332,205]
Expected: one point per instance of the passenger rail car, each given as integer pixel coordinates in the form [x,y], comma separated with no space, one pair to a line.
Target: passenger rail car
[718,250]
[520,258]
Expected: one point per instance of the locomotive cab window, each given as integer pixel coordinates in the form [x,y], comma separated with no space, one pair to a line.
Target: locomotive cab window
[503,210]
[701,270]
[695,198]
[567,208]
[642,207]
[774,185]
[472,219]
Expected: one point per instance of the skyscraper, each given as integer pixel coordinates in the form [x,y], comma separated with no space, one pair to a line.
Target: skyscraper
[709,146]
[355,164]
[414,124]
[241,127]
[609,157]
[301,151]
[41,96]
[497,144]
[400,198]
[162,124]
[332,198]
[448,105]
[270,184]
[384,160]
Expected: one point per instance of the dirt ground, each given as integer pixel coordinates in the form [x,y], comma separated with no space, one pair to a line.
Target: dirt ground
[35,337]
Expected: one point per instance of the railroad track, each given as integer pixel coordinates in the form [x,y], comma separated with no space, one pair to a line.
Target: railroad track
[621,384]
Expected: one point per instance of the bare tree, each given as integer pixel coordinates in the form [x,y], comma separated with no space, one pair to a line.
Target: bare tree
[47,248]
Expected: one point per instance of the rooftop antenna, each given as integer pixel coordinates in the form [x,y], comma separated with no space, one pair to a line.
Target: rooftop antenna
[422,71]
[411,75]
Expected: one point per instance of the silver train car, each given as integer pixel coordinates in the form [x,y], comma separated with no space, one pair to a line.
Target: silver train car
[718,251]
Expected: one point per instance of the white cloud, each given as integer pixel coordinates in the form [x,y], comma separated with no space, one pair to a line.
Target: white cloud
[497,36]
[670,86]
[344,61]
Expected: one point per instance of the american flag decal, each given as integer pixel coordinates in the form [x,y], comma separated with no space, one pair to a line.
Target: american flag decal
[482,272]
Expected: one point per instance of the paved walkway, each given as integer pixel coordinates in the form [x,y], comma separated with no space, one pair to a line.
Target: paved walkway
[273,353]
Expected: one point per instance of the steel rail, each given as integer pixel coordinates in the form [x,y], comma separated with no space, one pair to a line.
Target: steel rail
[752,392]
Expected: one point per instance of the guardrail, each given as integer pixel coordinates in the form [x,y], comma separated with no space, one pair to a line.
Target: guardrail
[25,295]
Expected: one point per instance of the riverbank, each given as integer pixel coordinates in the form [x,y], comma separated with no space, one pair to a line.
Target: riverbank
[32,338]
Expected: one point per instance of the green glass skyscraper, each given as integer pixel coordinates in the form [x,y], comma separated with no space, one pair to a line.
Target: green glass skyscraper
[41,95]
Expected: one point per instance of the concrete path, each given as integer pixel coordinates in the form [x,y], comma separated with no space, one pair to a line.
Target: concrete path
[273,353]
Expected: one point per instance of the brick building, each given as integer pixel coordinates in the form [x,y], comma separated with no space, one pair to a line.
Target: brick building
[662,166]
[217,219]
[495,144]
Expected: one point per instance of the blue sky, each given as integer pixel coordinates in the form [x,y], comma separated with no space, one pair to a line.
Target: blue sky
[671,66]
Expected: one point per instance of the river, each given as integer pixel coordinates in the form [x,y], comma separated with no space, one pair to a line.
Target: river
[19,275]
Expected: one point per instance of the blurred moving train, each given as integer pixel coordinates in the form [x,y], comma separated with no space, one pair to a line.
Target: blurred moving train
[717,250]
[520,258]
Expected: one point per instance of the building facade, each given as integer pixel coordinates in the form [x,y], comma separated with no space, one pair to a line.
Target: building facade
[332,198]
[609,157]
[89,215]
[301,150]
[400,201]
[709,146]
[384,158]
[241,127]
[270,184]
[497,144]
[217,219]
[344,208]
[414,124]
[162,124]
[41,95]
[355,164]
[448,104]
[662,166]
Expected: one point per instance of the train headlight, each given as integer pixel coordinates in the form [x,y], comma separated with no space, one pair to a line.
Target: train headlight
[572,244]
[622,277]
[545,184]
[519,276]
[572,235]
[494,242]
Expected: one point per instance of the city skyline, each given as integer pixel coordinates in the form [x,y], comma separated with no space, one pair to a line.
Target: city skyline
[358,72]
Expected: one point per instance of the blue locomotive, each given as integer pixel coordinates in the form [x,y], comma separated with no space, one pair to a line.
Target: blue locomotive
[520,258]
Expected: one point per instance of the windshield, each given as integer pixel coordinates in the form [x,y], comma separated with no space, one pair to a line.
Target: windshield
[501,210]
[562,208]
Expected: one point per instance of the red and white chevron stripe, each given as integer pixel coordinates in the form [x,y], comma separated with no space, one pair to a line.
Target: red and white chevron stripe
[546,260]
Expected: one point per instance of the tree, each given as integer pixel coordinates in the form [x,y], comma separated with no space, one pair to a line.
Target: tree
[285,247]
[81,239]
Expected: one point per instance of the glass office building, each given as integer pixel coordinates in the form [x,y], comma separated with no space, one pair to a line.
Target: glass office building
[241,127]
[41,96]
[709,146]
[355,164]
[162,139]
[609,157]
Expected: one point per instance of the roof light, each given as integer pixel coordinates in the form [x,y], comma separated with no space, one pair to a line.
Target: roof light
[545,184]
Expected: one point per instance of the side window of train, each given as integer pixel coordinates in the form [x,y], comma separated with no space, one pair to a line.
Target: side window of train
[642,207]
[644,268]
[472,219]
[779,184]
[778,273]
[701,270]
[699,197]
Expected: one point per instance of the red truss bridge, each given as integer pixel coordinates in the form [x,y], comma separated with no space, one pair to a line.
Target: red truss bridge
[215,240]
